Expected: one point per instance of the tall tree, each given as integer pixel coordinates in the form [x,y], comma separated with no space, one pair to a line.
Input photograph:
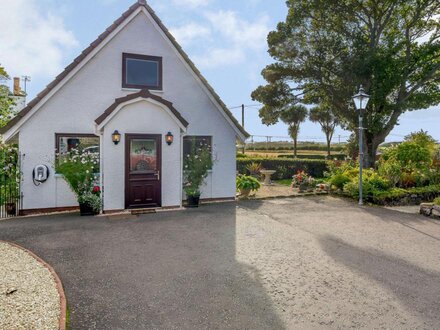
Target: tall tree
[326,49]
[324,116]
[6,100]
[294,116]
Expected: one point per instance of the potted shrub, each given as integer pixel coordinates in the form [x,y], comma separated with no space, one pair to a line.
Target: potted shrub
[246,184]
[196,166]
[79,171]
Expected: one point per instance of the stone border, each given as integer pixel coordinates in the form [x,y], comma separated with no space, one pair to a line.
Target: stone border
[430,210]
[63,302]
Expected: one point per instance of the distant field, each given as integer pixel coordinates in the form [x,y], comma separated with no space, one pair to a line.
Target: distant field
[276,153]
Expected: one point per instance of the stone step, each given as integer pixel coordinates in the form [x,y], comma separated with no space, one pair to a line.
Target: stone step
[143,211]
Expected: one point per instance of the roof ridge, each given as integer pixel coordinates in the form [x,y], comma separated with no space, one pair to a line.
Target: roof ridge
[97,42]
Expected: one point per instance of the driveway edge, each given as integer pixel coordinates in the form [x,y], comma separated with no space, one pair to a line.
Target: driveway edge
[60,289]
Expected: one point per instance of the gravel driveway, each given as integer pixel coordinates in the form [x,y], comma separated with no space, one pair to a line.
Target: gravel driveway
[278,264]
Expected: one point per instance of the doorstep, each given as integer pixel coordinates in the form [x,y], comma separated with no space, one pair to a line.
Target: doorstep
[135,212]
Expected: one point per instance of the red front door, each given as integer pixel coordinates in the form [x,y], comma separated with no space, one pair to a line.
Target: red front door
[143,158]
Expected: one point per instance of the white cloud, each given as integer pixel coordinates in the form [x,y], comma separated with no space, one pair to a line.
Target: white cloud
[239,39]
[220,57]
[241,32]
[33,42]
[192,3]
[188,33]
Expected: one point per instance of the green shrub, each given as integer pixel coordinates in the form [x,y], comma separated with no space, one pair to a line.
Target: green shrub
[412,196]
[245,182]
[339,180]
[240,155]
[437,201]
[372,184]
[253,169]
[285,168]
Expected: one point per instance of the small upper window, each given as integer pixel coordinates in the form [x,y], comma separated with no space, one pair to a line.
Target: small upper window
[141,71]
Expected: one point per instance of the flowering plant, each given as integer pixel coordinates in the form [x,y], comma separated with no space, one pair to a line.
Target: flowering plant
[196,164]
[92,198]
[79,170]
[301,179]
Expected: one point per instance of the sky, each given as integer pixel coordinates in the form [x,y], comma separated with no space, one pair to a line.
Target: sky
[226,39]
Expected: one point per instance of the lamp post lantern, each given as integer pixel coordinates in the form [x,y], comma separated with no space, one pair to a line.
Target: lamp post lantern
[361,101]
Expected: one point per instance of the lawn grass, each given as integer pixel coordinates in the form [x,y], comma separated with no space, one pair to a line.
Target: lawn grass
[285,182]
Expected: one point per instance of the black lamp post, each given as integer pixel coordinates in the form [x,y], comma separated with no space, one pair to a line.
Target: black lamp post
[360,101]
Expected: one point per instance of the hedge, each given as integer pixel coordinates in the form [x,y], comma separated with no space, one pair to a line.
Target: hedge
[316,147]
[412,196]
[332,157]
[285,168]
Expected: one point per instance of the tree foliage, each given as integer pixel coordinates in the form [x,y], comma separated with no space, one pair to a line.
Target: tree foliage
[293,116]
[324,116]
[6,101]
[326,49]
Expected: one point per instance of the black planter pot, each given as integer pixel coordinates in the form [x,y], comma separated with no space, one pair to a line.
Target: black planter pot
[193,201]
[11,208]
[86,210]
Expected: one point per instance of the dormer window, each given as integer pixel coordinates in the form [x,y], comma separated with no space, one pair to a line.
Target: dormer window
[141,71]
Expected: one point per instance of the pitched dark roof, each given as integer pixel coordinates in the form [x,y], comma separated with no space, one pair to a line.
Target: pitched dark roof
[94,44]
[144,93]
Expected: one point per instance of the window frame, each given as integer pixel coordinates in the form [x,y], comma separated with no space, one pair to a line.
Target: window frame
[211,139]
[79,135]
[150,58]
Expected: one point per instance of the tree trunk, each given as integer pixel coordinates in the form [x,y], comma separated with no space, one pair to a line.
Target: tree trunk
[371,144]
[295,145]
[329,143]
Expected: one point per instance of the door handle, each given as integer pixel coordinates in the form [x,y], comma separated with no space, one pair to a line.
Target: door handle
[157,174]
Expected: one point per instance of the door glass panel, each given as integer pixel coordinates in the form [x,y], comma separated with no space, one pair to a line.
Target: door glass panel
[143,155]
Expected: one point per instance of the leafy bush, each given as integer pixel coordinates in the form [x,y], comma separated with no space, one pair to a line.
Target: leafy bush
[437,201]
[9,174]
[240,155]
[78,169]
[372,184]
[411,163]
[285,168]
[245,182]
[339,180]
[196,165]
[254,169]
[399,196]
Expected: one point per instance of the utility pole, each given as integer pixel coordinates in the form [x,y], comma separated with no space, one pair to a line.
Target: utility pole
[242,124]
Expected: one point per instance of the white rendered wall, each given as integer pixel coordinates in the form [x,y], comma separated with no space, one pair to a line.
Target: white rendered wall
[141,118]
[94,88]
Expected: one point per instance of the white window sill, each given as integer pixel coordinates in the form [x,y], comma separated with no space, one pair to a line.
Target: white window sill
[138,89]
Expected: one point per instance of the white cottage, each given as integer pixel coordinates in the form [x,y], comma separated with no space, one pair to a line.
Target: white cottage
[135,80]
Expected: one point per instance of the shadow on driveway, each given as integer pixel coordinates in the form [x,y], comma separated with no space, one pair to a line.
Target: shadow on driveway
[417,288]
[174,270]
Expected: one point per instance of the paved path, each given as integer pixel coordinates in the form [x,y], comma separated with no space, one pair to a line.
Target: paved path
[277,264]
